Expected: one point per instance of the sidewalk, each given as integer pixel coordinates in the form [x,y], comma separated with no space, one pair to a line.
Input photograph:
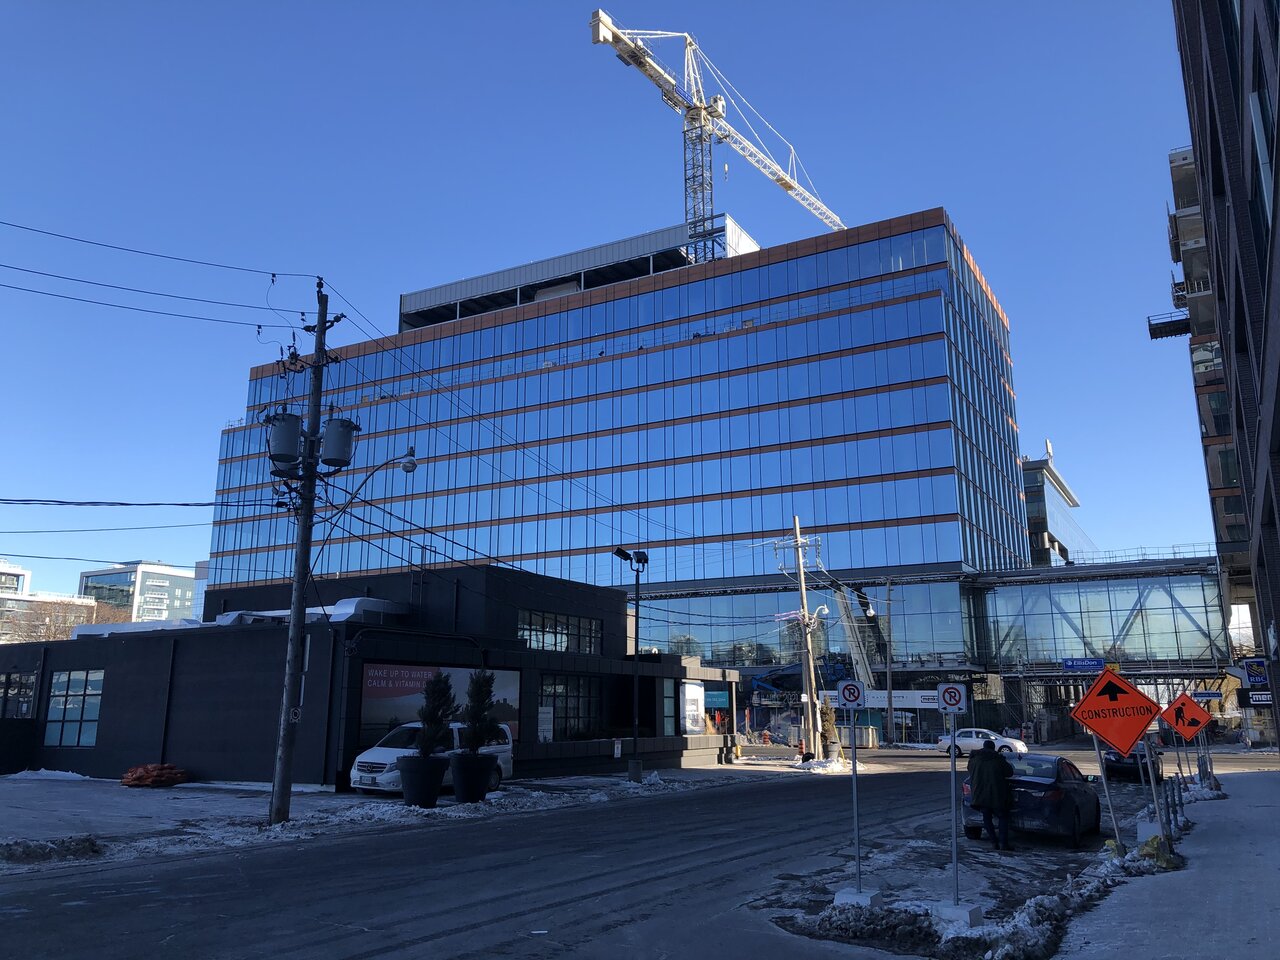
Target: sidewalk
[1220,905]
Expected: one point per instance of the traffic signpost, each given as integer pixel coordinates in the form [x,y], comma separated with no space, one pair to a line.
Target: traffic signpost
[1115,711]
[953,699]
[1186,716]
[851,694]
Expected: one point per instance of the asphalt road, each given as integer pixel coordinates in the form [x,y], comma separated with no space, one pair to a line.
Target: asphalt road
[670,875]
[663,876]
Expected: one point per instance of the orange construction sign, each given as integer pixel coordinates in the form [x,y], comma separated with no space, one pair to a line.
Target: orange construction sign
[1116,711]
[1186,716]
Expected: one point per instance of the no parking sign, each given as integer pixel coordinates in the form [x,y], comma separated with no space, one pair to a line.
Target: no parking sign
[952,698]
[850,694]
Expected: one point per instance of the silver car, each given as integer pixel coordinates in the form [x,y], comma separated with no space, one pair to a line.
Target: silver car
[972,738]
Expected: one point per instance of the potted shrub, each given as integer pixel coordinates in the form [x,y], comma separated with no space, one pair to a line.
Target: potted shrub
[421,774]
[830,738]
[472,770]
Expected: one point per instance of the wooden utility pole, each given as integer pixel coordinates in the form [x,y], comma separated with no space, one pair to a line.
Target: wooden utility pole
[290,710]
[810,685]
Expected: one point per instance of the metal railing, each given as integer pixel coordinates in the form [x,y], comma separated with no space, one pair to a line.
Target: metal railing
[1176,552]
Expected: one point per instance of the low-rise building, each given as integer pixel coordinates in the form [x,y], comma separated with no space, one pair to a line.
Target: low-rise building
[148,591]
[32,615]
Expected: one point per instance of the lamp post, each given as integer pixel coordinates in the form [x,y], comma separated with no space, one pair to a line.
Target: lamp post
[886,631]
[637,560]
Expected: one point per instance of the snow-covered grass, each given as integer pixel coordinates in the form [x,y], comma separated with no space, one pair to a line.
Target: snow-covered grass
[1033,932]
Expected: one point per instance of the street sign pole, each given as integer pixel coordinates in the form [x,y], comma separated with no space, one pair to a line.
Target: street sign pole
[955,838]
[857,827]
[1106,789]
[1155,794]
[850,694]
[953,700]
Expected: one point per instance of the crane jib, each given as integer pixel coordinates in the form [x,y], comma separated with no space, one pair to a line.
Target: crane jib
[630,47]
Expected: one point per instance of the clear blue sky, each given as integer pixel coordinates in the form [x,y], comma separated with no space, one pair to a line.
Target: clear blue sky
[390,147]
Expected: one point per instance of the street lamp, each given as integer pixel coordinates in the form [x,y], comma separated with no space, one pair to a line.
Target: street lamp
[887,632]
[637,560]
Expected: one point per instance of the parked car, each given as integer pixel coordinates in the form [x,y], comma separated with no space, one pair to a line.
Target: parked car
[1126,765]
[1050,795]
[375,770]
[972,738]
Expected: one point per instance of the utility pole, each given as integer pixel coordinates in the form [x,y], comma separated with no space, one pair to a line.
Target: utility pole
[809,683]
[290,711]
[888,656]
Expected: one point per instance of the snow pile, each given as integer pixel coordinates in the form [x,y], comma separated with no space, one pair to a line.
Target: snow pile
[45,775]
[827,767]
[1196,793]
[39,851]
[900,929]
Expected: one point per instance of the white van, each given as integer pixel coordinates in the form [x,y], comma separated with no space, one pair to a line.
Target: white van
[375,770]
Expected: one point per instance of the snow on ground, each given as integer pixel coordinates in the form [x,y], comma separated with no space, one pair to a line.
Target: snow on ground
[828,767]
[249,785]
[1033,932]
[45,775]
[910,746]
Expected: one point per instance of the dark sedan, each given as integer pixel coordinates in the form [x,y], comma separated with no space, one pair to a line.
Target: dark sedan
[1050,795]
[1126,765]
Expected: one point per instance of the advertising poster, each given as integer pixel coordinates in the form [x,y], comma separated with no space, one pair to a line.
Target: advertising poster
[694,719]
[392,694]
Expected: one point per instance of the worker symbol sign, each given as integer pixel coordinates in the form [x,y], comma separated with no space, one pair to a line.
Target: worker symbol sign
[1186,716]
[850,694]
[1115,711]
[952,698]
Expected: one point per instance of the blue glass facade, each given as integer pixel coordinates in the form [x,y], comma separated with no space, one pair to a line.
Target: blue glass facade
[861,381]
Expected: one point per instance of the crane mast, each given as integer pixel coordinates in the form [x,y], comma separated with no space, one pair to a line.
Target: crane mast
[704,122]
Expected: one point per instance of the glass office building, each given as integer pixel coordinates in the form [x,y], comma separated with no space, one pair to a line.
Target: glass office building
[860,380]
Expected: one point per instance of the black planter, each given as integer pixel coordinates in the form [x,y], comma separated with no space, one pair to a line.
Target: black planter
[471,773]
[420,779]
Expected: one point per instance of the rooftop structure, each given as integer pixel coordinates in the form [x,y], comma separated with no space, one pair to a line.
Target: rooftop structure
[1056,537]
[598,266]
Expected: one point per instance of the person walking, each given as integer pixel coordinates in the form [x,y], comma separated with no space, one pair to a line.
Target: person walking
[992,793]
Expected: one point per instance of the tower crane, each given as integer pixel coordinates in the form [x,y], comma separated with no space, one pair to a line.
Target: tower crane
[704,121]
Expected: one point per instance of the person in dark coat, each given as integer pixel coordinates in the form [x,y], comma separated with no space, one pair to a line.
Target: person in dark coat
[991,792]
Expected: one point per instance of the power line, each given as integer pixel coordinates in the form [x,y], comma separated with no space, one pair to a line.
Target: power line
[159,313]
[123,503]
[149,293]
[149,253]
[158,526]
[36,556]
